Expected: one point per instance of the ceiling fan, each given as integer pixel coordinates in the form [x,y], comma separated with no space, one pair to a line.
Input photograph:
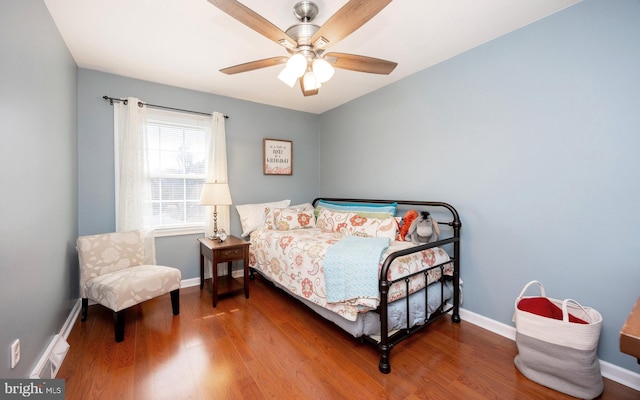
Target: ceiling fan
[306,42]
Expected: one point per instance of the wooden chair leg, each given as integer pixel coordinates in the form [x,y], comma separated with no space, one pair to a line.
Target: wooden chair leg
[175,301]
[119,325]
[83,312]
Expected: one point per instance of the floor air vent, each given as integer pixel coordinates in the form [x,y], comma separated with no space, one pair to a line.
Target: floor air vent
[51,360]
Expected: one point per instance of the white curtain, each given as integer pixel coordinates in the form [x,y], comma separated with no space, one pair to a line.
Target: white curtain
[133,185]
[217,171]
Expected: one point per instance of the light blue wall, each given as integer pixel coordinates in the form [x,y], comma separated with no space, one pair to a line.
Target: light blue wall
[534,137]
[248,125]
[38,174]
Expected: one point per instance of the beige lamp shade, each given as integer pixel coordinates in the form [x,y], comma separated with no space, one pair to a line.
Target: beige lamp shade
[215,194]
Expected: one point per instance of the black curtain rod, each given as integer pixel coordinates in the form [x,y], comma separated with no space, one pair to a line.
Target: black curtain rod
[140,104]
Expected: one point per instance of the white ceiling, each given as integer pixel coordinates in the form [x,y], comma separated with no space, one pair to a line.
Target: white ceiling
[185,43]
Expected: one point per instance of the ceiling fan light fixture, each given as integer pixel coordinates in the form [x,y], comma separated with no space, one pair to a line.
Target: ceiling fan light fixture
[310,81]
[297,63]
[322,70]
[295,68]
[288,77]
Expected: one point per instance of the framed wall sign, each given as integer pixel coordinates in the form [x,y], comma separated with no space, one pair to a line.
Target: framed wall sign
[278,157]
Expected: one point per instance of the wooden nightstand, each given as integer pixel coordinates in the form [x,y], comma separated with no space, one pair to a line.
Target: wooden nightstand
[232,249]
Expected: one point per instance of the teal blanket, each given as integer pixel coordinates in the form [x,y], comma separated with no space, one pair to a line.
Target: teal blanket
[351,267]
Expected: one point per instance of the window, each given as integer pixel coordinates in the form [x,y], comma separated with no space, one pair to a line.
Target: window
[176,151]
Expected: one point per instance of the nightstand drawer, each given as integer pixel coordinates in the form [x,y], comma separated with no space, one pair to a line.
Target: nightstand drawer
[230,254]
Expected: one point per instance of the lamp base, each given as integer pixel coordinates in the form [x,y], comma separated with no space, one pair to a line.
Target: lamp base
[221,235]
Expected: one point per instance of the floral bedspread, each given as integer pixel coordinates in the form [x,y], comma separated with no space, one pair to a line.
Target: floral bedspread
[293,259]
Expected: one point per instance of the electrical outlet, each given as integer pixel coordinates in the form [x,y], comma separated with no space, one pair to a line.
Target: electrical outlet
[15,353]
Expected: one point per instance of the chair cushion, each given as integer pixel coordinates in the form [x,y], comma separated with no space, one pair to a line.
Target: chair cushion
[124,288]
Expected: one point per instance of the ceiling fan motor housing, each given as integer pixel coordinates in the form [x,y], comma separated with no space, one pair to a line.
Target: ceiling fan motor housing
[302,33]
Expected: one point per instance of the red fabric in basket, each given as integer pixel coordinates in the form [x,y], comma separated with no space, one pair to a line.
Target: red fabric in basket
[545,308]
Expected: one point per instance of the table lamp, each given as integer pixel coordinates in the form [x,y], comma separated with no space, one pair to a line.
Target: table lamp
[216,194]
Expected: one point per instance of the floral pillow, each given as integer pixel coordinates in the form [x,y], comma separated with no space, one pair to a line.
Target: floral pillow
[252,215]
[357,223]
[284,219]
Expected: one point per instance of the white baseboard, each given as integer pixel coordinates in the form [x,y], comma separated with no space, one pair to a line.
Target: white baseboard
[190,282]
[55,352]
[608,370]
[71,319]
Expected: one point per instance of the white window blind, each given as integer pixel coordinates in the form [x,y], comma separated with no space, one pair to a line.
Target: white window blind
[175,147]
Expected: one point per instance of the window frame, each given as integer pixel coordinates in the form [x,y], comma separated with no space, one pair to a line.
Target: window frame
[184,121]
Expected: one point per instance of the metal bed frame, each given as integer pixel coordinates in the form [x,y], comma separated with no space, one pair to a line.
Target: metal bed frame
[387,341]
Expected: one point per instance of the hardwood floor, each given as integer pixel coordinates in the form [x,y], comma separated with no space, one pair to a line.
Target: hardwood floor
[270,346]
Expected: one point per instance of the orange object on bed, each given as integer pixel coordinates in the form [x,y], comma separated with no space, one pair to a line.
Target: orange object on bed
[408,218]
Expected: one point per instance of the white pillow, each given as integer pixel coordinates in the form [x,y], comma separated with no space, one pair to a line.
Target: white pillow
[252,216]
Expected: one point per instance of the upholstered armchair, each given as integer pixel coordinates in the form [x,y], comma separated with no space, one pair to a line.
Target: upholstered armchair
[113,273]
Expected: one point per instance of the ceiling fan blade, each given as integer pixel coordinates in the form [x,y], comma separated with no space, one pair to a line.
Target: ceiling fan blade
[305,92]
[346,20]
[250,66]
[254,21]
[358,63]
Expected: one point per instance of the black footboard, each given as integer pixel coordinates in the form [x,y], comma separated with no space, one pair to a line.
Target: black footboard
[387,342]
